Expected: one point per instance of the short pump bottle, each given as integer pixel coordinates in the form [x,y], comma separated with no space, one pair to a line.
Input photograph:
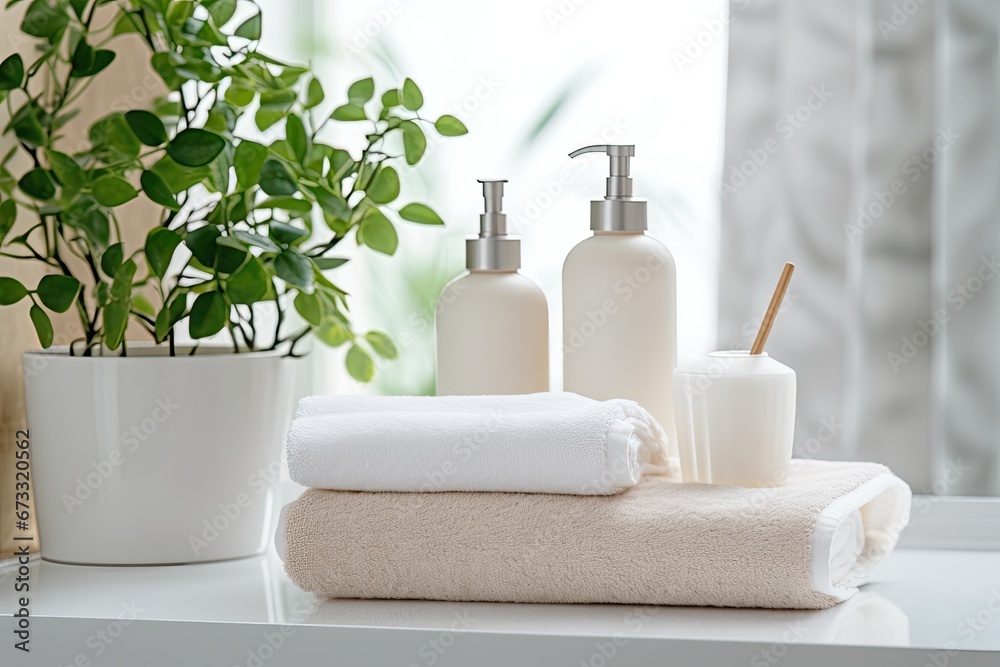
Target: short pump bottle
[620,303]
[492,322]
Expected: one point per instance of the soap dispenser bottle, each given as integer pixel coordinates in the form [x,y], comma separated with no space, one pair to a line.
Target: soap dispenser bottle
[492,322]
[620,303]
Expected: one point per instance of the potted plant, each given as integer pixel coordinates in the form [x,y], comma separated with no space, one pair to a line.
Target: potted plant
[153,451]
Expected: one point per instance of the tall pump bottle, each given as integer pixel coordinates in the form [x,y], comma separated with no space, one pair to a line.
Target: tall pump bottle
[620,303]
[492,321]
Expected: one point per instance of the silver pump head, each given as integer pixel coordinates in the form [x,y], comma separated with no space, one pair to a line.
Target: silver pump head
[493,249]
[619,211]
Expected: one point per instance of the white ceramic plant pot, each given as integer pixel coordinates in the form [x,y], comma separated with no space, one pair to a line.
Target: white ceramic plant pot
[148,459]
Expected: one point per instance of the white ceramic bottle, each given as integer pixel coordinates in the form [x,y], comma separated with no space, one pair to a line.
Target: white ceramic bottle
[492,322]
[620,303]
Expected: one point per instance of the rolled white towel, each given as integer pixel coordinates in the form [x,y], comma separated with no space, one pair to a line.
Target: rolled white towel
[540,443]
[315,406]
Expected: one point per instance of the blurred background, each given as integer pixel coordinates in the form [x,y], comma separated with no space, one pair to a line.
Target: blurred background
[858,139]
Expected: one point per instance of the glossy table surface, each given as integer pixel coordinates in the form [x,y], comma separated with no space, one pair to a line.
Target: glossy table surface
[932,600]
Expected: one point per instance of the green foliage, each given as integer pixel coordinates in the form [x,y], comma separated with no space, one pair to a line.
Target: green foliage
[243,223]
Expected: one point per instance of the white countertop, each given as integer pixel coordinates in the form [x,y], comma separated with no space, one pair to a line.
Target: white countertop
[920,603]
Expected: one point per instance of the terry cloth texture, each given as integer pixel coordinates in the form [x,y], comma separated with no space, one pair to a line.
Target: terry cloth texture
[661,543]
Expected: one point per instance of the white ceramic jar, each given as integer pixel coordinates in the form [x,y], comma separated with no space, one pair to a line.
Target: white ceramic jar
[149,459]
[735,419]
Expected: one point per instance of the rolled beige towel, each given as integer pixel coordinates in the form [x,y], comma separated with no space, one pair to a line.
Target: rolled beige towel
[806,544]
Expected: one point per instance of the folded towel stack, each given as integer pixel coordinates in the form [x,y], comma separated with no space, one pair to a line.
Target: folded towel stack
[808,543]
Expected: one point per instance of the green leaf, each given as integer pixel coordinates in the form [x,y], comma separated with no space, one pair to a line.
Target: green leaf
[126,24]
[115,323]
[341,165]
[11,72]
[238,95]
[11,291]
[295,132]
[327,263]
[232,242]
[361,91]
[160,246]
[449,126]
[359,363]
[194,147]
[83,57]
[221,11]
[45,19]
[37,185]
[96,61]
[43,326]
[412,98]
[349,112]
[157,190]
[201,243]
[382,344]
[294,268]
[275,179]
[333,333]
[274,105]
[414,141]
[257,240]
[282,149]
[219,172]
[102,59]
[169,316]
[314,94]
[8,215]
[95,224]
[142,304]
[248,160]
[425,215]
[147,127]
[113,132]
[250,29]
[229,258]
[57,292]
[249,284]
[113,191]
[282,232]
[7,182]
[330,202]
[309,307]
[286,204]
[378,233]
[121,287]
[27,127]
[384,188]
[112,259]
[390,98]
[177,177]
[208,315]
[222,118]
[179,12]
[67,171]
[63,118]
[103,293]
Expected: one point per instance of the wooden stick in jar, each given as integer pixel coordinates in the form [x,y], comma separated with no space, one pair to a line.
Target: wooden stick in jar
[772,309]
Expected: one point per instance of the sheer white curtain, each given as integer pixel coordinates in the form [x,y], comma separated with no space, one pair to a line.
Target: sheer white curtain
[862,143]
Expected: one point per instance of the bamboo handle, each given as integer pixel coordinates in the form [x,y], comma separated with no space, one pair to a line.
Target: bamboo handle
[772,309]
